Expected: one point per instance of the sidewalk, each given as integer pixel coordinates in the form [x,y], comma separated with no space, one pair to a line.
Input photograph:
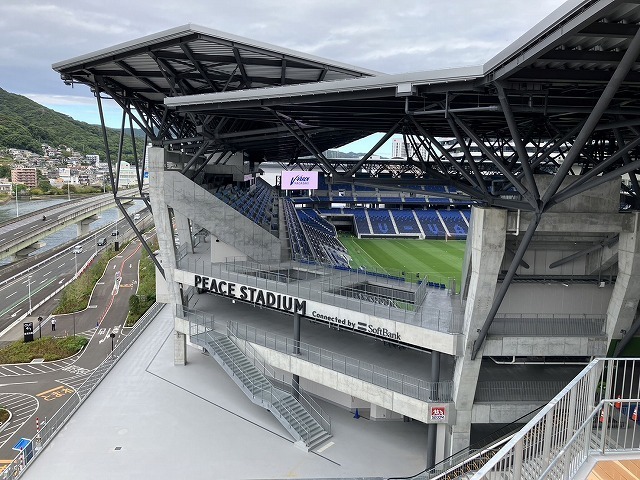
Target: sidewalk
[151,419]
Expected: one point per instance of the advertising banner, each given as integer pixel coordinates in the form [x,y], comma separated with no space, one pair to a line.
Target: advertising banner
[297,180]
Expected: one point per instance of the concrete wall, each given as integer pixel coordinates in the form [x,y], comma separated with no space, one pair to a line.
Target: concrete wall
[374,394]
[556,298]
[224,222]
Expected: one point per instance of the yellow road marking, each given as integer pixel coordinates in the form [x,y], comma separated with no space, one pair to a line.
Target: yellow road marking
[54,393]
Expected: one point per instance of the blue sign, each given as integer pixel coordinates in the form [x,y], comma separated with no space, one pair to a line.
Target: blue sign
[22,444]
[146,175]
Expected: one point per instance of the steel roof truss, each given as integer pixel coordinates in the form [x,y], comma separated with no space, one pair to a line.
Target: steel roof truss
[605,98]
[496,161]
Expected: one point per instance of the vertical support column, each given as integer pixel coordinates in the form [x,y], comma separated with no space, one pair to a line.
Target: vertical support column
[296,351]
[180,348]
[296,333]
[432,428]
[184,232]
[164,231]
[487,245]
[623,304]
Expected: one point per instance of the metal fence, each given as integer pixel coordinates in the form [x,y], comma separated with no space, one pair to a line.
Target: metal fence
[548,324]
[53,425]
[596,413]
[368,372]
[295,279]
[518,391]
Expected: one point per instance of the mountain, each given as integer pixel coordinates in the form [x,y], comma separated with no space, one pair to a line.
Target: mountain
[26,124]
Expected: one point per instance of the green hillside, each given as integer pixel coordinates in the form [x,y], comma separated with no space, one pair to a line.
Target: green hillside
[26,124]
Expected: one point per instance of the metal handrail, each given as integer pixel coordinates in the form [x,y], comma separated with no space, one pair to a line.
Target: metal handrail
[261,276]
[53,425]
[578,422]
[398,382]
[316,410]
[266,393]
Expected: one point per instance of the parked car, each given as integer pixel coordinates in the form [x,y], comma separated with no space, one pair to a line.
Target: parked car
[77,249]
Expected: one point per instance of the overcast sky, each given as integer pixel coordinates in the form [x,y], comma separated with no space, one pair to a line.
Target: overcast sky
[388,36]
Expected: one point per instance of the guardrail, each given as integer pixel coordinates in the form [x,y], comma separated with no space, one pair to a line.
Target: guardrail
[596,412]
[546,324]
[54,424]
[294,279]
[311,406]
[368,372]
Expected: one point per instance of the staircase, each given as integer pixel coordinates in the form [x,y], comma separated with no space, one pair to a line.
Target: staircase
[250,374]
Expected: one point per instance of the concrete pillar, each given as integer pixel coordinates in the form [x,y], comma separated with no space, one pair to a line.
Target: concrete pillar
[165,242]
[486,247]
[82,227]
[433,427]
[180,348]
[295,383]
[296,333]
[184,232]
[623,304]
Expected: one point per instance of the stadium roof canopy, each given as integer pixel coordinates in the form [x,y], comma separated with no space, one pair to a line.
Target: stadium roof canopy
[563,99]
[189,60]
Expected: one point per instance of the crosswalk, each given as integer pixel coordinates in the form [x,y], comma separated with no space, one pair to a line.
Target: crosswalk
[12,370]
[22,408]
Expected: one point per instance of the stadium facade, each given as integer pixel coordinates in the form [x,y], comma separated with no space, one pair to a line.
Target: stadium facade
[549,276]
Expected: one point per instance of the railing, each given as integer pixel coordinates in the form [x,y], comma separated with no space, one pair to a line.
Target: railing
[518,391]
[295,279]
[585,418]
[54,424]
[265,393]
[314,409]
[470,458]
[382,377]
[545,324]
[201,323]
[60,219]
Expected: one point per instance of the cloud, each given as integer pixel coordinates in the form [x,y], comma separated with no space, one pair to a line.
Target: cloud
[402,36]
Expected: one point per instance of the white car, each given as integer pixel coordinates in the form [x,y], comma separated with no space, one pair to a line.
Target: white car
[77,249]
[136,217]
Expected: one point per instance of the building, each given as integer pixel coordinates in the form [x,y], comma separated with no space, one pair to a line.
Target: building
[551,266]
[25,176]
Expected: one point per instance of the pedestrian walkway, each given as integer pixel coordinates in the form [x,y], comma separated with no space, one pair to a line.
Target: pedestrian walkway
[22,406]
[194,414]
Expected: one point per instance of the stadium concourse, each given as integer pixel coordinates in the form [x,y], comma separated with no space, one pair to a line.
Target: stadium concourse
[532,156]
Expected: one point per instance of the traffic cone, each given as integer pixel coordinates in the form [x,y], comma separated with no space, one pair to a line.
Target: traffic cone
[618,403]
[357,415]
[634,415]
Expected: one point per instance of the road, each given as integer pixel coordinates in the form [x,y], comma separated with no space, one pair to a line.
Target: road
[22,293]
[38,390]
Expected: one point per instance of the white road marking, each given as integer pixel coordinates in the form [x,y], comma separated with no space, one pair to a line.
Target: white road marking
[11,294]
[15,313]
[15,383]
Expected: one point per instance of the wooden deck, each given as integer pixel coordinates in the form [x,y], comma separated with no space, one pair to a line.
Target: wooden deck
[615,470]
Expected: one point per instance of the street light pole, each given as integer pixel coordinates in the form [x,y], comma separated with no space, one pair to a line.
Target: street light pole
[75,257]
[29,284]
[68,188]
[17,213]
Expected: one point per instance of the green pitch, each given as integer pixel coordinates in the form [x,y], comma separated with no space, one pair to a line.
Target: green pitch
[440,260]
